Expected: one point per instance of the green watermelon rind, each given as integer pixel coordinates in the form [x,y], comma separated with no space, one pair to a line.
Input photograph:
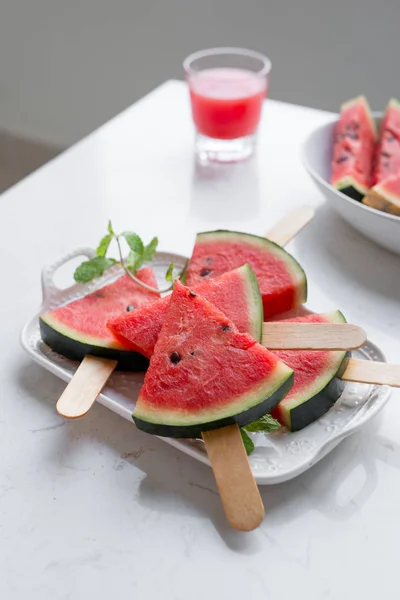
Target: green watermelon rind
[297,273]
[50,319]
[254,302]
[351,187]
[74,345]
[258,401]
[315,400]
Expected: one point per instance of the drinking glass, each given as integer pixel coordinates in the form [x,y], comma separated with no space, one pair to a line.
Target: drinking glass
[227,88]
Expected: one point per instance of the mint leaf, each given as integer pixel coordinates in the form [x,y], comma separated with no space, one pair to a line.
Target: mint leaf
[90,269]
[169,273]
[134,242]
[110,228]
[183,273]
[104,244]
[247,442]
[134,261]
[265,423]
[150,250]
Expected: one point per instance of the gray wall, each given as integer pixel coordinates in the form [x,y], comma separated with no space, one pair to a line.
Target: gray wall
[66,66]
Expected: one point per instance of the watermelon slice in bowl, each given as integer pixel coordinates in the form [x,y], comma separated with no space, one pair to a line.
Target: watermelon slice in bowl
[385,195]
[387,153]
[353,149]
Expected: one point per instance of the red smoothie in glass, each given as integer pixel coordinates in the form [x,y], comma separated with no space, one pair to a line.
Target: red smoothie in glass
[226,103]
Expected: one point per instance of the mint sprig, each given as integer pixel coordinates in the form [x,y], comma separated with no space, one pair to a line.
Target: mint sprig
[265,423]
[90,269]
[138,255]
[247,442]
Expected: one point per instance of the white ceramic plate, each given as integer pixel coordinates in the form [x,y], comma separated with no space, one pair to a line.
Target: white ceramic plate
[382,228]
[278,456]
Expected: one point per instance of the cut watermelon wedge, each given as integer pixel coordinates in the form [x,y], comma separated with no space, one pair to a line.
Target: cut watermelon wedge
[205,374]
[316,387]
[387,154]
[353,149]
[235,293]
[385,195]
[80,327]
[282,281]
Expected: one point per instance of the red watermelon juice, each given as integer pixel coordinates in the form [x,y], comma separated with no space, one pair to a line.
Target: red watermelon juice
[227,102]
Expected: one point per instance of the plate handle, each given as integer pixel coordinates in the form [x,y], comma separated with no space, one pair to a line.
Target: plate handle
[49,288]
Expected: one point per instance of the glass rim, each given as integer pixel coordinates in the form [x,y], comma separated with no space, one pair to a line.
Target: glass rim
[228,50]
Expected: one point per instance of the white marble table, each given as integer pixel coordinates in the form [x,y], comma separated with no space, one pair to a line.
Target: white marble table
[96,509]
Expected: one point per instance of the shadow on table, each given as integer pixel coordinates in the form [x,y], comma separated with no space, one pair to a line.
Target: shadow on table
[173,482]
[225,192]
[176,484]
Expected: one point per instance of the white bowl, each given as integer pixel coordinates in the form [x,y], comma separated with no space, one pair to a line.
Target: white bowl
[382,228]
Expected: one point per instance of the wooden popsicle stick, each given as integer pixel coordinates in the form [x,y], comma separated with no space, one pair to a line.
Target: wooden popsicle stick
[312,336]
[369,371]
[290,225]
[237,487]
[86,384]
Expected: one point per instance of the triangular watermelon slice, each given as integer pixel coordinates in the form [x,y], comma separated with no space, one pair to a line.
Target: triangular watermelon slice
[385,195]
[236,293]
[282,281]
[316,387]
[205,374]
[80,327]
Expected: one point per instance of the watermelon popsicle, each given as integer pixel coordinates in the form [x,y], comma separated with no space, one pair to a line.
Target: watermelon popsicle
[206,378]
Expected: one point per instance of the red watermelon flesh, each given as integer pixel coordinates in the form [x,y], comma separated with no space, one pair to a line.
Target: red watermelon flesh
[387,154]
[353,149]
[282,281]
[236,293]
[85,320]
[205,374]
[310,396]
[385,195]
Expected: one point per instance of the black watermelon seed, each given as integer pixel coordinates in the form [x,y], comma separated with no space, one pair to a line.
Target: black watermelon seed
[191,293]
[205,272]
[385,154]
[225,328]
[175,358]
[130,307]
[98,294]
[192,353]
[342,159]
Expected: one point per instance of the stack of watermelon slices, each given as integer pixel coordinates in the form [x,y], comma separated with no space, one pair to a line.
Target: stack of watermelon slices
[365,166]
[203,341]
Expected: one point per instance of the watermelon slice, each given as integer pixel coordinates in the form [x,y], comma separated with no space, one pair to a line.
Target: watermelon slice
[205,374]
[387,154]
[236,293]
[282,281]
[385,195]
[316,387]
[353,149]
[80,327]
